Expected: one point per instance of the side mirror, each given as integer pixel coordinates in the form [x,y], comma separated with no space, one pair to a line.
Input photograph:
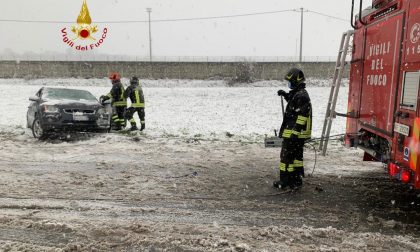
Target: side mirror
[34,98]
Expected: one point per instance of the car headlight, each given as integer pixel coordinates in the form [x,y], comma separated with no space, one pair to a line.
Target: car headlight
[102,111]
[51,109]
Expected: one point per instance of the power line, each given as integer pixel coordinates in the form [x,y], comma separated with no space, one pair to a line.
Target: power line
[172,20]
[329,16]
[227,16]
[156,20]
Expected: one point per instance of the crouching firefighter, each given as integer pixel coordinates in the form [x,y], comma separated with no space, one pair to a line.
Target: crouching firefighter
[135,93]
[119,101]
[295,129]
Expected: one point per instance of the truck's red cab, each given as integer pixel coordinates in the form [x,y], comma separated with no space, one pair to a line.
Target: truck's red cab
[384,87]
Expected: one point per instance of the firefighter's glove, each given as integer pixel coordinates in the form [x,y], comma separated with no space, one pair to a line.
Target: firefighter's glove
[103,98]
[282,93]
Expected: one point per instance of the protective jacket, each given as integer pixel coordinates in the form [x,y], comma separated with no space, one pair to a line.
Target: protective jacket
[117,94]
[297,121]
[135,93]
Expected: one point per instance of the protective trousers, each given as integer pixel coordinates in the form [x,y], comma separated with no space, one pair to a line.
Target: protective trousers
[118,116]
[130,113]
[291,162]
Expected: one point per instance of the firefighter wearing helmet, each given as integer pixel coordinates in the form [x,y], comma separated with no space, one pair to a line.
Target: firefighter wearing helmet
[135,93]
[295,129]
[119,101]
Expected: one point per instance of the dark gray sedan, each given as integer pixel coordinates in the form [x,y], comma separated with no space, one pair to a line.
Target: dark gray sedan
[55,110]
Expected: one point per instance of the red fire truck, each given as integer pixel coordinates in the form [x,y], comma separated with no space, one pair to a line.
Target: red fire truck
[384,101]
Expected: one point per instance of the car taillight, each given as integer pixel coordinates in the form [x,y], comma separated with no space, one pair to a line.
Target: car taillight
[405,176]
[393,169]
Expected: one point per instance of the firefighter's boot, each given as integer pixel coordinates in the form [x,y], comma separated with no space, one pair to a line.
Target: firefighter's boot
[117,126]
[143,126]
[133,128]
[296,181]
[284,181]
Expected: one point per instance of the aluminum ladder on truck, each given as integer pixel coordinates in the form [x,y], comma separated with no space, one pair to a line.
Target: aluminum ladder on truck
[335,87]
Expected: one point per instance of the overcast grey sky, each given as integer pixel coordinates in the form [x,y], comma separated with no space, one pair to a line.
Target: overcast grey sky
[274,34]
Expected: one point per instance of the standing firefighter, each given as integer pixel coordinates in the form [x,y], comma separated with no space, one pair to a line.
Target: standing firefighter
[135,93]
[296,128]
[119,101]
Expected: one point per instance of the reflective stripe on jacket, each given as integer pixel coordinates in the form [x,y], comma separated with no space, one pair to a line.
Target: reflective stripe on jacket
[117,94]
[135,93]
[297,121]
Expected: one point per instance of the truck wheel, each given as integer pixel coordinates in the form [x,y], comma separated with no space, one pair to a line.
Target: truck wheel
[37,130]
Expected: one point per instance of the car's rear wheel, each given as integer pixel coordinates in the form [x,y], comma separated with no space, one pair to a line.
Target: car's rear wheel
[37,130]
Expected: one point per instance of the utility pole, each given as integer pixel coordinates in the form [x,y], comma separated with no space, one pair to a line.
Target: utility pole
[301,33]
[149,10]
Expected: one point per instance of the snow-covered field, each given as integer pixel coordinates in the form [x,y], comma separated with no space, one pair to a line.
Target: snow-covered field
[188,108]
[186,185]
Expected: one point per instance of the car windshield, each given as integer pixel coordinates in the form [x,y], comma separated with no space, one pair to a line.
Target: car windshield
[68,94]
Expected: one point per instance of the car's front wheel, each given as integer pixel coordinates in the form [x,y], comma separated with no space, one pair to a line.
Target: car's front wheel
[37,130]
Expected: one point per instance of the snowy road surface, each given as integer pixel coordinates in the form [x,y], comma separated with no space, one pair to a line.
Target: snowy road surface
[183,185]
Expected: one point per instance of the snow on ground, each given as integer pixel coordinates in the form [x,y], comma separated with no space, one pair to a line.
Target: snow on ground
[188,108]
[204,109]
[184,185]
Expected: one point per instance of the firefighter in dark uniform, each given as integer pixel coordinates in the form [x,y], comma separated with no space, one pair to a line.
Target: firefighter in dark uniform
[119,101]
[135,93]
[295,129]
